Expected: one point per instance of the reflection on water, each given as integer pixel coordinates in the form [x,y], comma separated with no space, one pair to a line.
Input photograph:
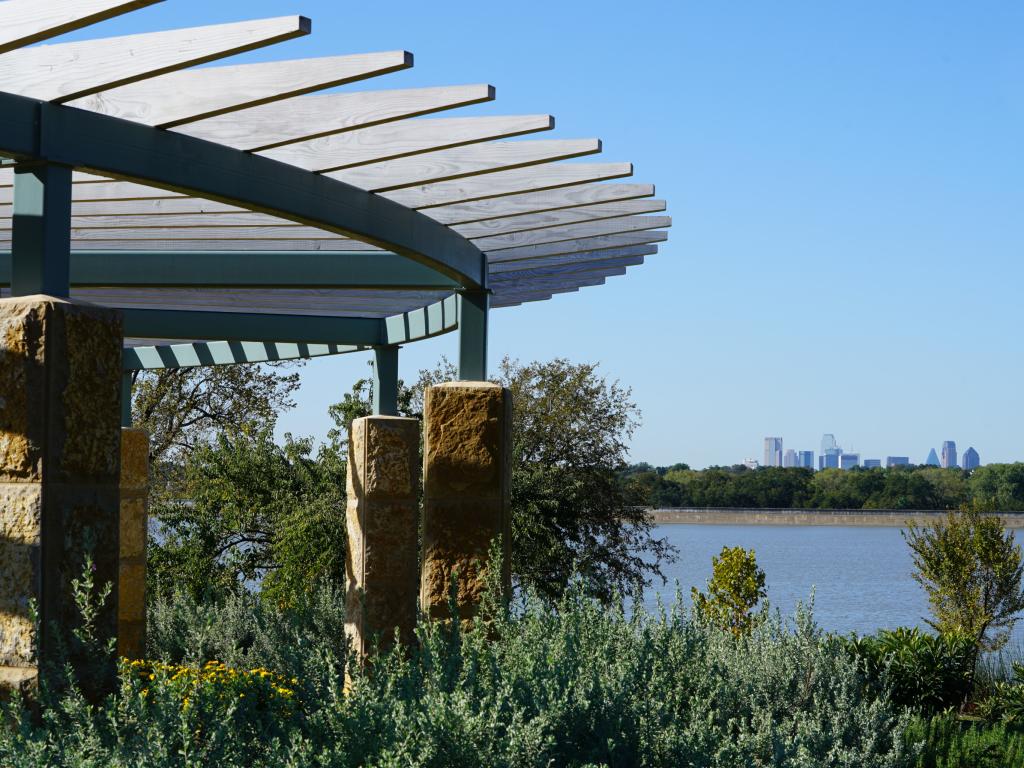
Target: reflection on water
[861,576]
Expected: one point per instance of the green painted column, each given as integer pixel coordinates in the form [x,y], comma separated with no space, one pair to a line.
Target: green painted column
[473,307]
[385,381]
[41,243]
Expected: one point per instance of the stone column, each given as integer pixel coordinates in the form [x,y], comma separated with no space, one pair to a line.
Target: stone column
[383,528]
[60,455]
[131,604]
[467,447]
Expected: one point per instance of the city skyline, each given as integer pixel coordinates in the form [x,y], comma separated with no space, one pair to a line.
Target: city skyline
[834,456]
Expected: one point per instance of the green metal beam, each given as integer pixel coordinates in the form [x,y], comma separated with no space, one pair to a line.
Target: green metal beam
[473,310]
[41,237]
[199,354]
[385,381]
[247,269]
[175,161]
[440,317]
[251,326]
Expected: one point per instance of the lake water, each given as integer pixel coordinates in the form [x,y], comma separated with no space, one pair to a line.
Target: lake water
[860,576]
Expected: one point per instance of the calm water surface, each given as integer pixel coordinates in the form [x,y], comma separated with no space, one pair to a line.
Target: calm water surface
[860,576]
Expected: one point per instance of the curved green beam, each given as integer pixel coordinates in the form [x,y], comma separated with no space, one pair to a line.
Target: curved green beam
[353,335]
[247,269]
[89,141]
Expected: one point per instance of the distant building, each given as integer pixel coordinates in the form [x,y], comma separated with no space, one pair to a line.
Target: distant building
[897,461]
[830,459]
[933,458]
[948,454]
[869,463]
[828,442]
[849,460]
[773,452]
[789,458]
[970,459]
[805,459]
[750,463]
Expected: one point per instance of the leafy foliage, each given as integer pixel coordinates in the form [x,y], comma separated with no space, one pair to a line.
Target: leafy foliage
[734,590]
[931,673]
[949,742]
[972,570]
[571,684]
[252,510]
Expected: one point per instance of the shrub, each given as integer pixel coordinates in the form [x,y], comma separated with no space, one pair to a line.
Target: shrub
[930,673]
[952,743]
[734,590]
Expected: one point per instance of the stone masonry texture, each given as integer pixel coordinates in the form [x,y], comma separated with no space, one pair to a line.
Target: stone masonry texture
[60,456]
[383,521]
[131,618]
[467,447]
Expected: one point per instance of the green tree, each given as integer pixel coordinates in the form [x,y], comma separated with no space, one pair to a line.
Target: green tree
[971,568]
[251,510]
[735,588]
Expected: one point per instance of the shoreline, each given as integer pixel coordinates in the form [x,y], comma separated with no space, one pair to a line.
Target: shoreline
[891,518]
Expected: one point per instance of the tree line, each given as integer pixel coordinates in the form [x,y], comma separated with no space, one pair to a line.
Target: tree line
[998,487]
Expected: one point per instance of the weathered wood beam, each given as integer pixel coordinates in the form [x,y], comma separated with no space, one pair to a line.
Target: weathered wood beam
[500,243]
[182,97]
[564,216]
[310,117]
[527,272]
[512,182]
[462,162]
[573,258]
[601,242]
[66,71]
[404,138]
[537,202]
[24,22]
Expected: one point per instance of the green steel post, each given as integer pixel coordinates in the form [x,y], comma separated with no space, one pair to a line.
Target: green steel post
[126,399]
[41,241]
[385,381]
[473,308]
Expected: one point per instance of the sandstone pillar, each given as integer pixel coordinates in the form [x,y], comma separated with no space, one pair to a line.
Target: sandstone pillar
[383,523]
[131,604]
[467,446]
[60,371]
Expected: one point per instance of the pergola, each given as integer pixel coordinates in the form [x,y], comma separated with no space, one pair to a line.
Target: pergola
[234,217]
[159,214]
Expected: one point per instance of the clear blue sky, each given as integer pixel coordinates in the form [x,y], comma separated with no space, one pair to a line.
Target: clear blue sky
[847,183]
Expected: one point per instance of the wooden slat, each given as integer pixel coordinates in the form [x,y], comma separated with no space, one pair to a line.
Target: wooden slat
[105,191]
[170,207]
[460,162]
[564,216]
[195,94]
[530,272]
[67,71]
[499,243]
[244,219]
[310,117]
[215,245]
[508,183]
[24,22]
[283,231]
[583,244]
[403,139]
[573,258]
[538,202]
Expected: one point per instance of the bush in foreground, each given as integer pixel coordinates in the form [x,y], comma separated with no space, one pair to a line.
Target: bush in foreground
[574,684]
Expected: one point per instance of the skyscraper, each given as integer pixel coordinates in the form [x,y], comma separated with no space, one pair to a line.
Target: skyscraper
[897,461]
[828,442]
[805,459]
[849,460]
[933,458]
[773,452]
[869,463]
[949,454]
[971,460]
[789,458]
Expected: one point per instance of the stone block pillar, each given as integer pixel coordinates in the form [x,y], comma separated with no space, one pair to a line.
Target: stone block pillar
[131,604]
[467,447]
[60,456]
[383,530]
